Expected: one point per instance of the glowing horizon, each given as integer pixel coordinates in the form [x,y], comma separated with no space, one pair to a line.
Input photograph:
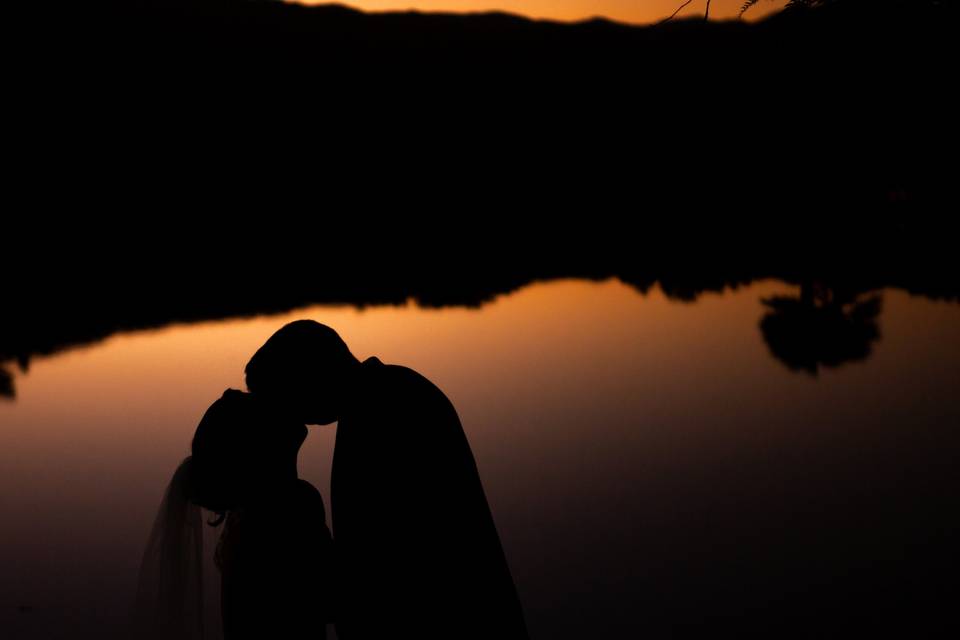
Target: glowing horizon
[628,11]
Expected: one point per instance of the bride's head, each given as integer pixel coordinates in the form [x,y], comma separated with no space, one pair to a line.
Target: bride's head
[242,449]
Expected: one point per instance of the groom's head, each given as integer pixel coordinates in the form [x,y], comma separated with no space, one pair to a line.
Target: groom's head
[304,367]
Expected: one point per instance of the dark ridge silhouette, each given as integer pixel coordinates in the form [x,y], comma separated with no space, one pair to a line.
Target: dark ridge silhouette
[93,289]
[842,106]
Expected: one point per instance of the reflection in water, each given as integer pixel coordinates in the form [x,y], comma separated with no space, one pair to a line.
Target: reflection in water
[653,471]
[7,388]
[801,332]
[62,309]
[6,383]
[821,327]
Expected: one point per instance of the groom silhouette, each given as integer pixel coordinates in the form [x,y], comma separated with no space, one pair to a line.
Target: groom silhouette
[418,551]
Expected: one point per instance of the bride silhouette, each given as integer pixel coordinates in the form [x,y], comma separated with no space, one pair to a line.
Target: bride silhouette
[274,552]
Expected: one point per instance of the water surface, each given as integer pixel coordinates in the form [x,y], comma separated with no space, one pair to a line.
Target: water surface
[652,465]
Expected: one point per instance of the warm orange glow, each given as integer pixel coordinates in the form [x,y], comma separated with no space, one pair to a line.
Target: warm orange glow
[570,347]
[632,11]
[563,352]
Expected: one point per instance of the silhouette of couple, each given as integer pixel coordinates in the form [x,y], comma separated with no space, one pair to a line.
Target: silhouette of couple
[414,553]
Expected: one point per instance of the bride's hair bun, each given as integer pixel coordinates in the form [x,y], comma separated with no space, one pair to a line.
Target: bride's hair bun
[223,449]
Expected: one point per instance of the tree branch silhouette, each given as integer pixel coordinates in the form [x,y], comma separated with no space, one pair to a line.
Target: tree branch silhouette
[706,13]
[674,14]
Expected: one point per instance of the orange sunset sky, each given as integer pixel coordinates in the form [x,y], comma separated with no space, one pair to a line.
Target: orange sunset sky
[634,11]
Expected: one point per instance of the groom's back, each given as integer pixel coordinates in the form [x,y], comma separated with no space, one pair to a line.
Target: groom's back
[420,552]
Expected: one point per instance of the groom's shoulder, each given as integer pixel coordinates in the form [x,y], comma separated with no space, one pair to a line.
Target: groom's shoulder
[400,374]
[402,380]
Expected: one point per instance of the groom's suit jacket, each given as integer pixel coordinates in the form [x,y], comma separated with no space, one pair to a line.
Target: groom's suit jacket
[419,552]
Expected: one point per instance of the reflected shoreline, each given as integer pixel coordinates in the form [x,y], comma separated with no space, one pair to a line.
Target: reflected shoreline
[91,301]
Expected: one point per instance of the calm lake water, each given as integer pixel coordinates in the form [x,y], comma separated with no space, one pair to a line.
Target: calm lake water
[652,467]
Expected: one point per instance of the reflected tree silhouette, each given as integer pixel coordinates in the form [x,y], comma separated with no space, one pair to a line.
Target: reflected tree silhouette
[6,383]
[822,327]
[915,257]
